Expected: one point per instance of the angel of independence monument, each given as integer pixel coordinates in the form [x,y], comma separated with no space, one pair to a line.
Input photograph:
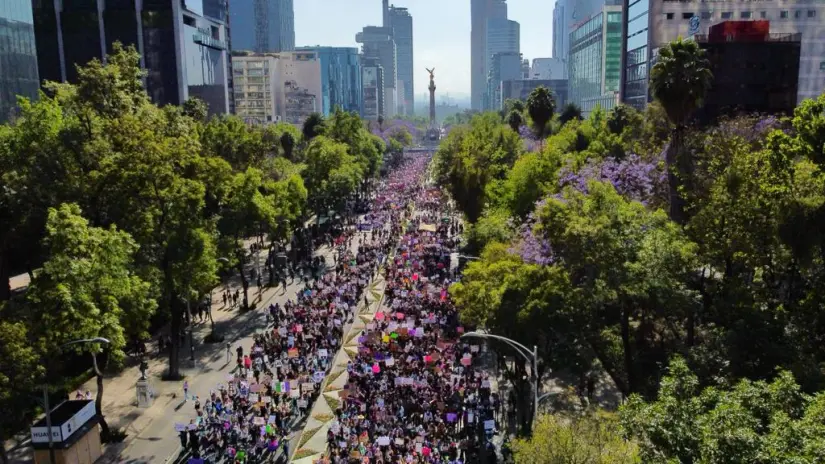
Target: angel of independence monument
[433,131]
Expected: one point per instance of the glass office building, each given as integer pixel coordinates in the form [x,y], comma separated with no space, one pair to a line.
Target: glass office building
[402,32]
[595,61]
[340,78]
[637,55]
[263,26]
[183,44]
[18,56]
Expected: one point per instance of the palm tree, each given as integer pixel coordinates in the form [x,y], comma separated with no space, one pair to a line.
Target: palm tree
[679,81]
[540,106]
[515,120]
[314,126]
[570,112]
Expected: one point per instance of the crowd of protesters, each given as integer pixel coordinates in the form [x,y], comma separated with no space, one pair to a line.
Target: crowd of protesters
[413,394]
[277,378]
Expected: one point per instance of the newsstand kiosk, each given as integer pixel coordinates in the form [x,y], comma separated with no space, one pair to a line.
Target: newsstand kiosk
[75,434]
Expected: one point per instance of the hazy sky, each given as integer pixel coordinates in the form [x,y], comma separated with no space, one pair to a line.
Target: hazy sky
[441,32]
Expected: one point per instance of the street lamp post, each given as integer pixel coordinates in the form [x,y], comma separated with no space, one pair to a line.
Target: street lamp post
[46,393]
[531,356]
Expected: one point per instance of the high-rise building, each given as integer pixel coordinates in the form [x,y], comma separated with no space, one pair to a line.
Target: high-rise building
[263,25]
[377,43]
[273,87]
[635,36]
[256,82]
[548,68]
[502,37]
[340,78]
[481,11]
[18,56]
[182,43]
[519,89]
[595,60]
[754,70]
[651,25]
[401,23]
[372,82]
[504,66]
[560,32]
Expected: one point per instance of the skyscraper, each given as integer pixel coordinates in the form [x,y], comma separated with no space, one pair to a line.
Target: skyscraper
[502,37]
[182,44]
[377,43]
[340,78]
[372,80]
[481,11]
[595,60]
[263,26]
[18,57]
[561,35]
[401,23]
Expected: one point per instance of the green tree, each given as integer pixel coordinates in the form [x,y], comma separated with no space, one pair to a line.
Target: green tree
[570,112]
[196,109]
[514,120]
[313,126]
[756,422]
[230,138]
[20,371]
[473,163]
[540,107]
[331,175]
[401,135]
[594,438]
[680,80]
[88,289]
[288,144]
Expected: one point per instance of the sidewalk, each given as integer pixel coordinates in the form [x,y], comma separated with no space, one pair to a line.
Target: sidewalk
[150,432]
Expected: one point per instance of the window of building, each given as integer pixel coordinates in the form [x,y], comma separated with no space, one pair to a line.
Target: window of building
[783,14]
[745,15]
[707,15]
[727,15]
[669,15]
[189,21]
[763,14]
[797,14]
[687,15]
[811,13]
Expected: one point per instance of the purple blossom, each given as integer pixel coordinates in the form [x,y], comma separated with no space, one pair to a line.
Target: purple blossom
[632,176]
[532,248]
[531,143]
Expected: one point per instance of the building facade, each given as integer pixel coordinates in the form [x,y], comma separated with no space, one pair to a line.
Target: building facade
[377,43]
[340,78]
[255,80]
[520,89]
[595,61]
[753,70]
[263,26]
[505,66]
[276,87]
[636,36]
[299,90]
[401,23]
[503,36]
[548,68]
[480,12]
[650,25]
[372,89]
[560,34]
[183,50]
[18,55]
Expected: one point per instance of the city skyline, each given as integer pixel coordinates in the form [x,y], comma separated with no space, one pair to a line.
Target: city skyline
[441,32]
